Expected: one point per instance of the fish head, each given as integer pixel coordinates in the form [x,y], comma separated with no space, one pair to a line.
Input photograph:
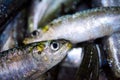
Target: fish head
[32,37]
[51,52]
[46,33]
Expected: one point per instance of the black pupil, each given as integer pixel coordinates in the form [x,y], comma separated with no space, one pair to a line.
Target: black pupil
[55,45]
[34,33]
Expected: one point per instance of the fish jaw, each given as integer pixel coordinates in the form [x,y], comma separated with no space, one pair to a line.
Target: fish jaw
[35,58]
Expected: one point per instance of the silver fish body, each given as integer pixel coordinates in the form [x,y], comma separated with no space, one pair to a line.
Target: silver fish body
[112,42]
[82,26]
[32,60]
[112,46]
[89,68]
[105,3]
[46,10]
[10,37]
[74,58]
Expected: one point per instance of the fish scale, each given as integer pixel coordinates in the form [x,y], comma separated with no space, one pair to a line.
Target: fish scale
[81,26]
[32,60]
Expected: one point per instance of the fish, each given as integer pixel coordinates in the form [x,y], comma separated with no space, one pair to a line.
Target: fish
[89,67]
[111,43]
[43,11]
[105,3]
[81,26]
[74,57]
[10,37]
[32,60]
[112,48]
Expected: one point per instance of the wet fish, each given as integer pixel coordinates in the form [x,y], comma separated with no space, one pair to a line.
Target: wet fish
[32,60]
[112,47]
[89,68]
[105,3]
[43,11]
[82,26]
[10,37]
[112,42]
[74,57]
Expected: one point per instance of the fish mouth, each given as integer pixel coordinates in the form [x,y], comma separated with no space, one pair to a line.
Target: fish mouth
[69,45]
[25,41]
[28,40]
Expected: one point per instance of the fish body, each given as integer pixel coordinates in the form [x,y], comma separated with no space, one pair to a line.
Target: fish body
[112,46]
[89,68]
[105,3]
[44,11]
[112,43]
[81,26]
[10,37]
[32,60]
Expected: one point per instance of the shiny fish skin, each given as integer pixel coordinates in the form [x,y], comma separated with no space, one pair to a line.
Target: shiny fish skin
[82,26]
[105,3]
[89,68]
[32,60]
[112,42]
[54,10]
[44,11]
[112,46]
[10,37]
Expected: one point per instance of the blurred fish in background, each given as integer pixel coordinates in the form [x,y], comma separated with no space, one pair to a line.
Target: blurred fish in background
[111,43]
[88,60]
[14,32]
[12,21]
[44,11]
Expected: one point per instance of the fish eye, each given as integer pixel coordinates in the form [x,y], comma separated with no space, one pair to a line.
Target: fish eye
[35,33]
[54,46]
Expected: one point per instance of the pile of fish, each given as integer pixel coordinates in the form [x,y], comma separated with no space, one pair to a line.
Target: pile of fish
[32,59]
[58,37]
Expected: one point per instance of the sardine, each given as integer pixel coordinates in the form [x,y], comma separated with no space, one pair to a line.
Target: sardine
[112,42]
[82,26]
[10,37]
[89,68]
[32,60]
[74,57]
[8,10]
[105,3]
[112,47]
[44,11]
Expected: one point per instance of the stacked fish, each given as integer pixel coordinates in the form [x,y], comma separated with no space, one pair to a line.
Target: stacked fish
[46,47]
